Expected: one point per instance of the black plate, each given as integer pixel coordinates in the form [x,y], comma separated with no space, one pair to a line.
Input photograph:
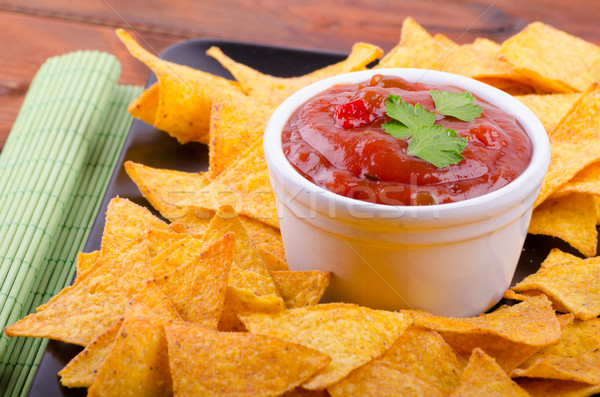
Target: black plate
[151,147]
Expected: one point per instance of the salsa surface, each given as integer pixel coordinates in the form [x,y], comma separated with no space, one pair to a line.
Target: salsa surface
[336,141]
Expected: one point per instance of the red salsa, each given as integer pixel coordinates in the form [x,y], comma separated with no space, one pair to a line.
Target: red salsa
[336,141]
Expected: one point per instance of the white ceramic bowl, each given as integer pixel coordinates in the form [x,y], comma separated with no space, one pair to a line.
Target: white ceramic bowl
[452,259]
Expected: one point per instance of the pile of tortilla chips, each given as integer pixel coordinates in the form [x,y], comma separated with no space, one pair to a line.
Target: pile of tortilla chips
[206,305]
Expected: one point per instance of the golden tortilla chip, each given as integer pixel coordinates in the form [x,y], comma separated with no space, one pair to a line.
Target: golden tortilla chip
[566,63]
[480,60]
[510,85]
[138,362]
[484,377]
[571,218]
[274,90]
[419,362]
[161,240]
[81,312]
[557,256]
[557,388]
[197,287]
[417,49]
[550,109]
[351,335]
[268,241]
[301,288]
[164,188]
[144,107]
[576,357]
[573,143]
[184,251]
[241,298]
[82,370]
[586,181]
[235,123]
[244,185]
[85,261]
[575,285]
[205,362]
[246,255]
[151,182]
[251,287]
[184,94]
[126,222]
[497,333]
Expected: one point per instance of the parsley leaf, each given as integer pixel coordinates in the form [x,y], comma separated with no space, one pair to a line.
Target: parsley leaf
[428,141]
[397,129]
[459,105]
[412,116]
[441,147]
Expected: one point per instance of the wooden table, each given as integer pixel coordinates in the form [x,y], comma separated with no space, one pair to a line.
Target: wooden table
[33,30]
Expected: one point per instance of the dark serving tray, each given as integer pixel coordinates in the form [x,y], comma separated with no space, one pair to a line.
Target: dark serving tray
[148,146]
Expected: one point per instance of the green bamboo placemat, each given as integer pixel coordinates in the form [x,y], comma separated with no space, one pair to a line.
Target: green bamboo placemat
[54,170]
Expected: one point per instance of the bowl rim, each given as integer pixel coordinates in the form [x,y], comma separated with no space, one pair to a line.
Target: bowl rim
[484,206]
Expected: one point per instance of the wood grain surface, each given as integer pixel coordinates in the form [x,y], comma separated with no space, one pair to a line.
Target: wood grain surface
[33,30]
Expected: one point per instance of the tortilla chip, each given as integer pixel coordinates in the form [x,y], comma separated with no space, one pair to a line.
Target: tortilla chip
[241,297]
[586,181]
[246,255]
[480,60]
[510,294]
[301,392]
[575,285]
[244,185]
[205,362]
[550,109]
[81,312]
[251,287]
[273,90]
[144,107]
[417,49]
[82,370]
[510,85]
[484,377]
[138,362]
[164,188]
[301,288]
[351,335]
[557,388]
[571,218]
[419,362]
[573,143]
[510,335]
[181,253]
[85,262]
[184,94]
[584,368]
[235,123]
[151,182]
[161,240]
[557,256]
[577,337]
[564,62]
[268,241]
[197,288]
[126,222]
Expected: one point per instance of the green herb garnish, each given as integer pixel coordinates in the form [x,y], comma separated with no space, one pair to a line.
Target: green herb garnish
[430,142]
[459,105]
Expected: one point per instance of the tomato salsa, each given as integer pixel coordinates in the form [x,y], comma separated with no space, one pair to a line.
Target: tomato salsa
[336,140]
